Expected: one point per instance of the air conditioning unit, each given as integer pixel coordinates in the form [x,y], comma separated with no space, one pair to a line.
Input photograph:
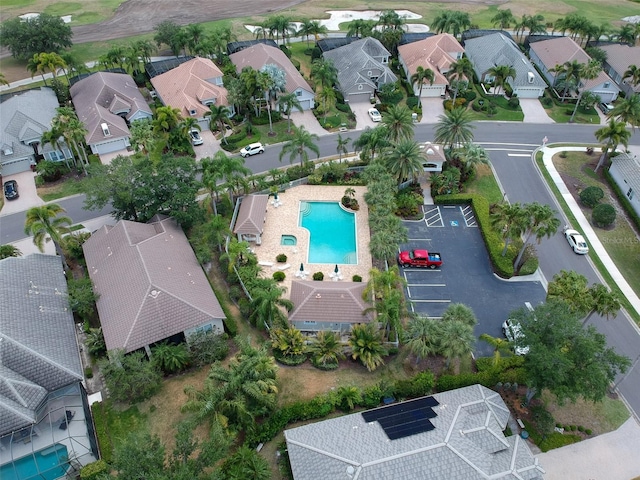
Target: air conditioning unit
[105,129]
[531,77]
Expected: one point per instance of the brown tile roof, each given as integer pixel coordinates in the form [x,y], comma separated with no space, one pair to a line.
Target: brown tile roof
[328,302]
[188,85]
[260,55]
[252,214]
[434,53]
[150,283]
[100,97]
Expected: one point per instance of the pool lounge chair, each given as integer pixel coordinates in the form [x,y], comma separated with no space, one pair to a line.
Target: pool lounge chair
[284,267]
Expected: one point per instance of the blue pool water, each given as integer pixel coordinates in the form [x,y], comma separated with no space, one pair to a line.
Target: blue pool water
[332,232]
[289,240]
[42,465]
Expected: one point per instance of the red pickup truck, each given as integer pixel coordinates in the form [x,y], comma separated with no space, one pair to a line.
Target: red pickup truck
[420,258]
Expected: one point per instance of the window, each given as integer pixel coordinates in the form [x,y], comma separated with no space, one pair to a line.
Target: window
[607,84]
[105,129]
[630,193]
[193,112]
[298,93]
[204,328]
[360,87]
[309,322]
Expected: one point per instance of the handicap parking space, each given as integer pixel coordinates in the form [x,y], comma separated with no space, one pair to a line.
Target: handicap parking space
[466,275]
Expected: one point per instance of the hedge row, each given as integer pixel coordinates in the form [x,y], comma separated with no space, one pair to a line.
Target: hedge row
[492,239]
[100,421]
[94,470]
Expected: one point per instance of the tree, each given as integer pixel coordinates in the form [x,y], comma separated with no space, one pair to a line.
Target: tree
[421,337]
[288,341]
[539,221]
[503,19]
[422,74]
[533,23]
[205,347]
[456,340]
[298,145]
[567,76]
[47,221]
[142,136]
[398,122]
[361,28]
[324,71]
[165,124]
[212,173]
[454,128]
[366,345]
[8,250]
[342,146]
[627,110]
[327,96]
[286,103]
[462,69]
[568,360]
[274,82]
[219,116]
[458,312]
[267,306]
[170,358]
[67,124]
[95,342]
[405,160]
[170,34]
[371,140]
[501,73]
[500,345]
[139,457]
[245,464]
[587,71]
[451,21]
[613,134]
[507,219]
[632,74]
[130,378]
[82,297]
[325,349]
[44,33]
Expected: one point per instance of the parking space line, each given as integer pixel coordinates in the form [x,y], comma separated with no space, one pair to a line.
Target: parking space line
[518,154]
[431,301]
[418,239]
[433,218]
[469,217]
[426,284]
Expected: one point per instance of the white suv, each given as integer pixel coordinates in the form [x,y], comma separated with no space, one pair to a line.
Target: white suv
[251,149]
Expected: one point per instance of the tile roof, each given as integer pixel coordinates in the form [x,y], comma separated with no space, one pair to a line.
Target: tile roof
[629,167]
[328,302]
[351,60]
[259,55]
[38,347]
[497,49]
[557,51]
[621,57]
[100,97]
[252,215]
[188,85]
[434,53]
[150,283]
[467,443]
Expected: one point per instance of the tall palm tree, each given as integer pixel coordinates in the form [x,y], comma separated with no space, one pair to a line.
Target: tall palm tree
[503,19]
[365,343]
[459,312]
[316,29]
[627,110]
[462,69]
[286,103]
[421,337]
[405,160]
[35,67]
[372,140]
[567,76]
[456,340]
[275,83]
[305,29]
[52,62]
[8,250]
[507,219]
[604,302]
[501,73]
[613,134]
[632,74]
[422,74]
[267,307]
[326,349]
[361,28]
[73,130]
[540,221]
[341,147]
[301,141]
[212,174]
[47,221]
[327,96]
[398,122]
[454,128]
[588,71]
[499,344]
[53,137]
[218,118]
[325,72]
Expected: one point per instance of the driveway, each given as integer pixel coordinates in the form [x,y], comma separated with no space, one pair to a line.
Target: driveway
[432,108]
[533,111]
[107,158]
[308,120]
[360,110]
[28,195]
[209,146]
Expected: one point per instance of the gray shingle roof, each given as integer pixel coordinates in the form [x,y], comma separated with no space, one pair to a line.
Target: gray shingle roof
[38,347]
[467,443]
[328,302]
[496,49]
[621,57]
[629,167]
[252,214]
[150,283]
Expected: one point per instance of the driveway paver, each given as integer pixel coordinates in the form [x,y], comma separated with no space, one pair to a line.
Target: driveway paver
[308,120]
[533,111]
[26,189]
[432,108]
[360,110]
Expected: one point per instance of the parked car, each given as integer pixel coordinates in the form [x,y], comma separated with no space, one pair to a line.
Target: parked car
[375,115]
[420,258]
[196,139]
[513,332]
[576,241]
[11,190]
[252,149]
[605,107]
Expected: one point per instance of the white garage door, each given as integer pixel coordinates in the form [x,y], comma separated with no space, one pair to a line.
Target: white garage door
[112,146]
[16,166]
[529,92]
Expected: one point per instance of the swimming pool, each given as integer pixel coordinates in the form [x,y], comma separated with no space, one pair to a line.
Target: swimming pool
[46,464]
[332,232]
[289,240]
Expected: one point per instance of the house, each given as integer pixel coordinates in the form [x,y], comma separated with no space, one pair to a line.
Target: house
[451,435]
[260,54]
[625,171]
[249,223]
[436,53]
[25,117]
[107,103]
[547,54]
[45,417]
[619,59]
[191,88]
[495,49]
[233,47]
[164,293]
[433,157]
[335,306]
[363,67]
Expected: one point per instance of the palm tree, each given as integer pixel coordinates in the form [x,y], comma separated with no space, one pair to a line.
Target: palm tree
[325,72]
[614,134]
[170,358]
[451,21]
[503,19]
[421,337]
[8,250]
[405,160]
[166,120]
[398,122]
[604,302]
[325,349]
[533,23]
[267,305]
[588,71]
[462,69]
[327,96]
[212,173]
[501,73]
[246,463]
[301,141]
[458,312]
[361,28]
[275,82]
[540,221]
[35,67]
[420,76]
[507,219]
[53,137]
[342,146]
[371,140]
[456,340]
[632,74]
[306,29]
[316,29]
[52,62]
[627,110]
[288,341]
[234,172]
[473,155]
[499,344]
[567,76]
[216,230]
[72,129]
[45,221]
[142,137]
[454,128]
[366,345]
[286,103]
[3,80]
[218,118]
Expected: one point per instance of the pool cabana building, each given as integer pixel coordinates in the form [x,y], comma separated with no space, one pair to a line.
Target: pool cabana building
[249,223]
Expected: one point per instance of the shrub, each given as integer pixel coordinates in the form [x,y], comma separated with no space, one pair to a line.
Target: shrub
[460,101]
[470,95]
[318,276]
[588,431]
[343,107]
[51,171]
[286,50]
[513,102]
[289,360]
[279,276]
[94,470]
[281,258]
[546,102]
[100,422]
[591,196]
[356,278]
[207,347]
[88,372]
[413,102]
[603,215]
[237,137]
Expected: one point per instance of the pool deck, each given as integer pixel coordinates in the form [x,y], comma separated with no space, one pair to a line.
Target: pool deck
[283,220]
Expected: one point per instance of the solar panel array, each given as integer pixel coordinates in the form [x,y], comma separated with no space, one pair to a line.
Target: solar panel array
[404,419]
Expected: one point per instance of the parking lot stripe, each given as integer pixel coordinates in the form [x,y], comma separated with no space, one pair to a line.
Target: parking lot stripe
[518,154]
[431,301]
[426,284]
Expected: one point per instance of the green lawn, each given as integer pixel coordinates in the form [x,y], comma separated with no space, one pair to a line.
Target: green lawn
[485,184]
[67,188]
[561,113]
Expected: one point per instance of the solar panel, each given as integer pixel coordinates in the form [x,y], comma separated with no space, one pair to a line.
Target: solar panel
[404,419]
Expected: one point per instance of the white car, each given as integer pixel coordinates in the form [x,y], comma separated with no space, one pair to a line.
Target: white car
[576,241]
[196,139]
[375,115]
[252,149]
[513,332]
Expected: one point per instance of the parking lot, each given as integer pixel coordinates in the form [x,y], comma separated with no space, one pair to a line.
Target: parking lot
[466,275]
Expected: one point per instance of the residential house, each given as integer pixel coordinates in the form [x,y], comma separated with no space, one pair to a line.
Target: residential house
[454,435]
[25,117]
[625,171]
[150,284]
[45,419]
[495,49]
[619,59]
[191,88]
[363,67]
[260,54]
[334,306]
[435,53]
[107,103]
[252,214]
[547,54]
